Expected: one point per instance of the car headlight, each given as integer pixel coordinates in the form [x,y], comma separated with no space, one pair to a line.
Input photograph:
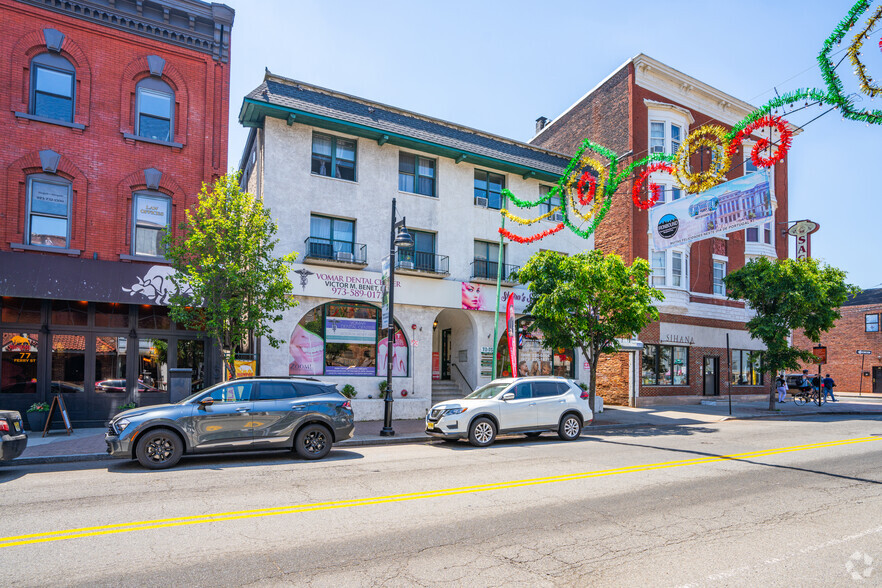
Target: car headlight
[121,424]
[450,411]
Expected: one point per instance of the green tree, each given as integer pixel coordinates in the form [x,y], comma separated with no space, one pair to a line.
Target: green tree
[588,301]
[787,295]
[228,280]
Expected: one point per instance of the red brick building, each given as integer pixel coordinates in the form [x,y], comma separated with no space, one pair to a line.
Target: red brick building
[646,106]
[113,113]
[859,329]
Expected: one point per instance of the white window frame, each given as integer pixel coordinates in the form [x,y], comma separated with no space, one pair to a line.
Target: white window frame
[48,179]
[664,276]
[659,276]
[155,196]
[722,285]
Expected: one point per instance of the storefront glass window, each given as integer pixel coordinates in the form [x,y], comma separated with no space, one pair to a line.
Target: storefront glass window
[665,365]
[69,313]
[20,310]
[18,366]
[344,339]
[191,354]
[68,363]
[153,317]
[152,366]
[533,359]
[110,364]
[111,314]
[747,368]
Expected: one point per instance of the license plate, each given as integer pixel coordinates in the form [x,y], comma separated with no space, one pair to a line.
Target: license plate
[17,426]
[430,425]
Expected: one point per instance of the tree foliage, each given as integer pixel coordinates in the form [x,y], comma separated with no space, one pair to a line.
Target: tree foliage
[229,282]
[588,301]
[787,295]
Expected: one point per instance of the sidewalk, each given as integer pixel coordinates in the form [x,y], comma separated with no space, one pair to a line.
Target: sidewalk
[88,444]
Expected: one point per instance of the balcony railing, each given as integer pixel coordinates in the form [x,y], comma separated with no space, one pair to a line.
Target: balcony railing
[423,262]
[487,270]
[333,250]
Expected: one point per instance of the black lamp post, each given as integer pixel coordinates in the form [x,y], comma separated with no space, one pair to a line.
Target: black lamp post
[398,237]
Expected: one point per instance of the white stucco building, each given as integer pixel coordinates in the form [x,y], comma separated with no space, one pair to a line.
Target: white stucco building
[328,165]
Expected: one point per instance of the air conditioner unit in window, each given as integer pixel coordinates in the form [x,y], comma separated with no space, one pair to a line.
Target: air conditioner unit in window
[344,256]
[405,265]
[556,217]
[479,201]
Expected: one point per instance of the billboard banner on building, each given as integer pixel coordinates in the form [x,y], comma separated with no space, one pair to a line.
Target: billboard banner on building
[737,204]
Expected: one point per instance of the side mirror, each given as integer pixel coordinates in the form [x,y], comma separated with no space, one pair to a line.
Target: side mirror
[508,396]
[206,402]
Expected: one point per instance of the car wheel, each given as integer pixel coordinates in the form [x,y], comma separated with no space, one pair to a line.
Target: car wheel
[313,442]
[570,427]
[482,432]
[159,449]
[533,434]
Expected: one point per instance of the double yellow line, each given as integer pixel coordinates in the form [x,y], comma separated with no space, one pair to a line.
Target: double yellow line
[299,508]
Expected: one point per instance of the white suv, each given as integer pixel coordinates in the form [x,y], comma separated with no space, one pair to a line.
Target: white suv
[513,405]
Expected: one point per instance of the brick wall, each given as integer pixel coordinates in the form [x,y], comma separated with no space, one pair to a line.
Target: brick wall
[842,342]
[103,165]
[612,378]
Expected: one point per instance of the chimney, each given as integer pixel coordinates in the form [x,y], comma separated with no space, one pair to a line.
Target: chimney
[540,123]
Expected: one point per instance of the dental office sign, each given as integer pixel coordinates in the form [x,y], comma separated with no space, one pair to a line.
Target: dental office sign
[737,204]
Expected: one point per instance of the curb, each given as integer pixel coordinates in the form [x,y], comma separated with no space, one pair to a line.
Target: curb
[793,414]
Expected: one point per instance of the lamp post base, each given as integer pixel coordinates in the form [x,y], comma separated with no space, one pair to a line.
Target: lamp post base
[387,432]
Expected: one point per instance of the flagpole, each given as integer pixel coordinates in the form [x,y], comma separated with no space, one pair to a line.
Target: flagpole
[498,291]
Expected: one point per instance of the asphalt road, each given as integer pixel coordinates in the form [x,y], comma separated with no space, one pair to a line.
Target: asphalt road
[740,503]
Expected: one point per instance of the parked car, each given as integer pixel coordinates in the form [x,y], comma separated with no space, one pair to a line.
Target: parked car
[793,380]
[529,405]
[13,438]
[303,414]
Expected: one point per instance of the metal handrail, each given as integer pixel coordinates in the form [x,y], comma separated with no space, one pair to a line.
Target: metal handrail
[461,375]
[336,250]
[482,268]
[423,261]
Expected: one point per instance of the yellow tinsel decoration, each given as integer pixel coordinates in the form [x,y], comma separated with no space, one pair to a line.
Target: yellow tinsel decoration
[529,221]
[854,52]
[586,163]
[713,136]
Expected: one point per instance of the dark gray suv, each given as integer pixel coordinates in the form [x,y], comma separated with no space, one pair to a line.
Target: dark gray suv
[248,414]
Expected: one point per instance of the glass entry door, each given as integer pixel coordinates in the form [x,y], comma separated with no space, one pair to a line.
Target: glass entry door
[711,374]
[445,354]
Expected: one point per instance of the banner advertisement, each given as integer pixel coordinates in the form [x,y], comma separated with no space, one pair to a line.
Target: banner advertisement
[476,296]
[245,368]
[384,300]
[436,365]
[737,204]
[512,335]
[399,355]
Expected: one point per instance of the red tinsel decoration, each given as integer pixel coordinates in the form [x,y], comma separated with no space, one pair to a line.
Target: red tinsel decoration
[762,144]
[584,199]
[536,237]
[654,189]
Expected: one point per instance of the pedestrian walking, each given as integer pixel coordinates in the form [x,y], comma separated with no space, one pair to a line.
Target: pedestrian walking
[781,384]
[829,384]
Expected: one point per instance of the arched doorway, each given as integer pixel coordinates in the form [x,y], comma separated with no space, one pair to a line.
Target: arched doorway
[455,355]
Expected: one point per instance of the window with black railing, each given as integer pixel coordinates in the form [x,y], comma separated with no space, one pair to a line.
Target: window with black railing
[422,255]
[334,239]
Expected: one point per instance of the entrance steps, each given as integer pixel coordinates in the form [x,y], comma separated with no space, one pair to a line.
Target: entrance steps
[443,390]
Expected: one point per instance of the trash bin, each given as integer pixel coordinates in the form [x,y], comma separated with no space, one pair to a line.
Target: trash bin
[179,383]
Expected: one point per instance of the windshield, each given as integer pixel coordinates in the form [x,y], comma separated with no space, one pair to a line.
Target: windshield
[488,391]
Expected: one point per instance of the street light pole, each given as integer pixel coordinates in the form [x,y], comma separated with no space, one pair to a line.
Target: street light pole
[404,240]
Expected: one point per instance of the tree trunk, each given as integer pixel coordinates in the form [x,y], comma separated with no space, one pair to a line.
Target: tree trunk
[772,398]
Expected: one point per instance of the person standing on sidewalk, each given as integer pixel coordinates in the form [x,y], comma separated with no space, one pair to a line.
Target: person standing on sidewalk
[781,385]
[828,388]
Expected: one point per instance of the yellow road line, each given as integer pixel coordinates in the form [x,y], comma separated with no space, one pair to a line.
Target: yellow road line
[275,511]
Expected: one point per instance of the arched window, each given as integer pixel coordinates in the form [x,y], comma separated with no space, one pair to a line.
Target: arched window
[150,223]
[155,114]
[344,339]
[53,87]
[49,211]
[533,359]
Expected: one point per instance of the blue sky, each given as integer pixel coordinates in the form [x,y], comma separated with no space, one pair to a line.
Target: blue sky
[497,66]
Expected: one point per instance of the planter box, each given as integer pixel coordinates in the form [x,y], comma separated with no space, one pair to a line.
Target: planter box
[37,421]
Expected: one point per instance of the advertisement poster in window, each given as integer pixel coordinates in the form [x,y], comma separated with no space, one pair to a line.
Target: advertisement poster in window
[477,296]
[399,355]
[534,359]
[306,347]
[737,204]
[351,345]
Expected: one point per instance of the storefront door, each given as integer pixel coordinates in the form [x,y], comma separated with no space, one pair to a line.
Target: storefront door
[877,379]
[445,354]
[711,374]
